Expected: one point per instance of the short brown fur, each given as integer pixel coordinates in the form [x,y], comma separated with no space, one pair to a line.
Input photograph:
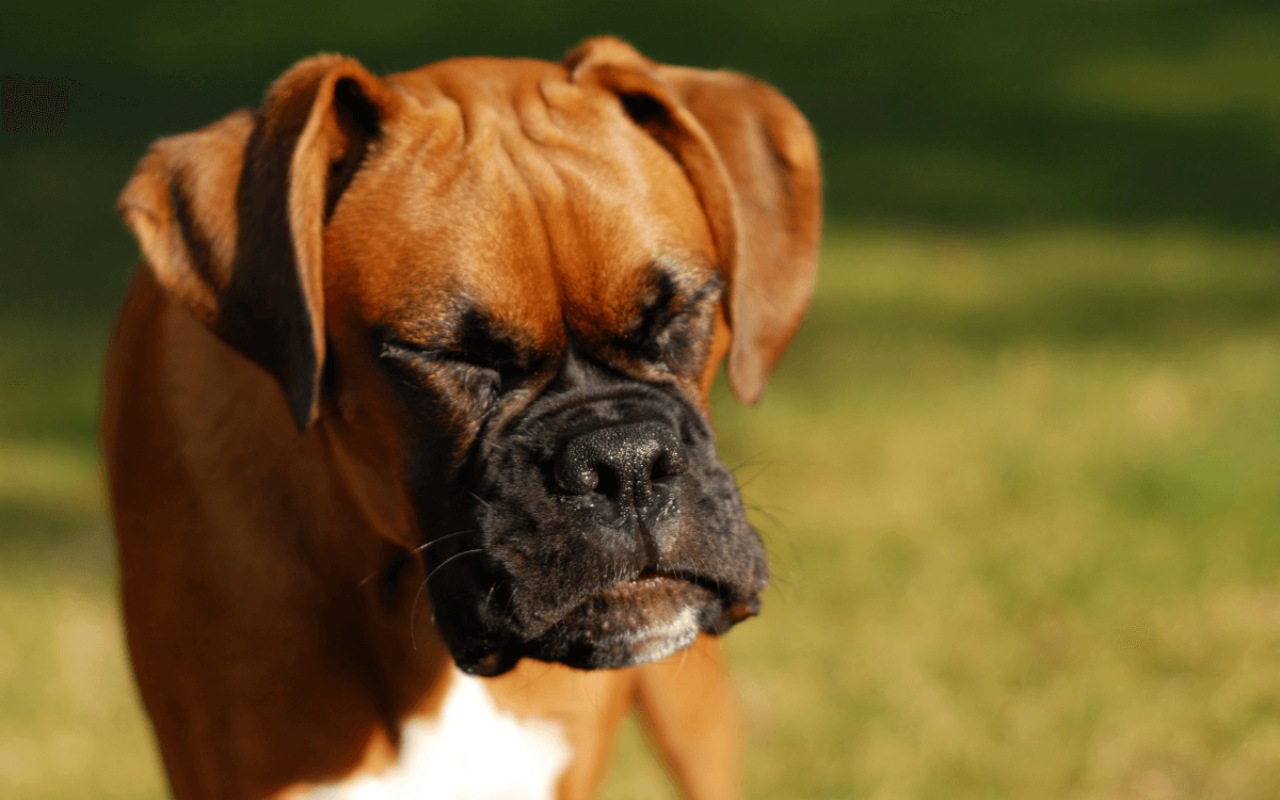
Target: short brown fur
[256,456]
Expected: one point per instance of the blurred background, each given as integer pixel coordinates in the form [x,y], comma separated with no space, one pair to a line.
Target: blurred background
[1020,474]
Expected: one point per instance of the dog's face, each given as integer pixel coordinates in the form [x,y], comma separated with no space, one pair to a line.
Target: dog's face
[525,277]
[546,327]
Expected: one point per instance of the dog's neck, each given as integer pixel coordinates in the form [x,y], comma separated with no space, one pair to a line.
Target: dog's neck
[345,533]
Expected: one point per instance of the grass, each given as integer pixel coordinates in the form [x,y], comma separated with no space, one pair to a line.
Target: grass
[1022,493]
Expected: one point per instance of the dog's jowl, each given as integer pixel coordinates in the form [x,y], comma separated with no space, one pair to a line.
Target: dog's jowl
[407,426]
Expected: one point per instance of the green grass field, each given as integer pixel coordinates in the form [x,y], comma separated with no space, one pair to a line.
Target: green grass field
[1022,493]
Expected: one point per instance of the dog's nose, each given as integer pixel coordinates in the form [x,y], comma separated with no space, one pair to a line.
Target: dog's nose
[624,463]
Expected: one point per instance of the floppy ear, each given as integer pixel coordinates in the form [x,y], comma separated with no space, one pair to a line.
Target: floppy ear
[753,161]
[230,218]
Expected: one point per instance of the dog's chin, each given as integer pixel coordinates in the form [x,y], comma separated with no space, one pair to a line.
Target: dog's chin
[634,622]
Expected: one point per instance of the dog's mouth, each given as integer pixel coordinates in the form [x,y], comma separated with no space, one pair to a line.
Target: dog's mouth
[635,621]
[611,533]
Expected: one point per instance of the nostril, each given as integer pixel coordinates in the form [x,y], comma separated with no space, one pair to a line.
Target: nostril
[575,471]
[667,464]
[658,471]
[622,463]
[608,484]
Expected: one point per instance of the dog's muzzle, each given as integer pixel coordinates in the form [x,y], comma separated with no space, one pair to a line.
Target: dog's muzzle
[609,535]
[623,476]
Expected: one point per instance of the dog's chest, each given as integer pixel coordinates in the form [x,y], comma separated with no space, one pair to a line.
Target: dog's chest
[471,750]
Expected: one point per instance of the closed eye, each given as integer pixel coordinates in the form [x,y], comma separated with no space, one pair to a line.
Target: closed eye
[668,320]
[475,372]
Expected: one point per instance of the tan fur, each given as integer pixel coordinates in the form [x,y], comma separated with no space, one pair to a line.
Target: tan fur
[255,505]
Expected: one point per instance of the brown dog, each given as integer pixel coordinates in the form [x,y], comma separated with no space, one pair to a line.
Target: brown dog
[416,376]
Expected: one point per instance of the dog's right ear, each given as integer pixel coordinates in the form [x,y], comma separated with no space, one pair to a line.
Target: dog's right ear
[230,218]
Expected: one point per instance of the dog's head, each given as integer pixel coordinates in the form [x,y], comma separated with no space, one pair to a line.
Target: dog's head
[500,290]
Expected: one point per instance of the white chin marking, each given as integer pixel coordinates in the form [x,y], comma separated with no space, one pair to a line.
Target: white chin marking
[656,642]
[471,750]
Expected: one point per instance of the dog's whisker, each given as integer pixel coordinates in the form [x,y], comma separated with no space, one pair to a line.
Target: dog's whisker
[684,657]
[440,539]
[745,482]
[752,461]
[772,517]
[413,617]
[449,561]
[422,548]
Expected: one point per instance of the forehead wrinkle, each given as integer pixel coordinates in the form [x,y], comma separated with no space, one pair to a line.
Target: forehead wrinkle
[621,236]
[554,200]
[516,279]
[477,244]
[540,121]
[541,153]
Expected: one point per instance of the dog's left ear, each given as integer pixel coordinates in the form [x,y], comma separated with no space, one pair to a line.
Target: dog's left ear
[230,218]
[753,162]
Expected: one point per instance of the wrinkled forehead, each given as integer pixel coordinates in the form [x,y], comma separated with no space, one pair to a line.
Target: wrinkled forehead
[519,193]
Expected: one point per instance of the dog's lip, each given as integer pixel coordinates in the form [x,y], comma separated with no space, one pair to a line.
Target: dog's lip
[488,663]
[648,582]
[735,608]
[652,578]
[686,605]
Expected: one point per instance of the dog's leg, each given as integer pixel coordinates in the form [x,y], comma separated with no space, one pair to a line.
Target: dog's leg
[688,706]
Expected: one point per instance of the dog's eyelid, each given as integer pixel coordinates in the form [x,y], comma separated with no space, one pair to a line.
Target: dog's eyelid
[680,307]
[396,349]
[708,294]
[686,292]
[445,356]
[438,356]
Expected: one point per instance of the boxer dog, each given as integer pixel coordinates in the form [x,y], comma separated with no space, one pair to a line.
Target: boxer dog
[406,422]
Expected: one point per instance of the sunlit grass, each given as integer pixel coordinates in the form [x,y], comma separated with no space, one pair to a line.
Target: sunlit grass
[1022,493]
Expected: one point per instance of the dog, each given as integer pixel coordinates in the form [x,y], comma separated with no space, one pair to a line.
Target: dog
[406,422]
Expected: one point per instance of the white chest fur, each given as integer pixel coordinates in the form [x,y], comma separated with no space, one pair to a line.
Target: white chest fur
[471,750]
